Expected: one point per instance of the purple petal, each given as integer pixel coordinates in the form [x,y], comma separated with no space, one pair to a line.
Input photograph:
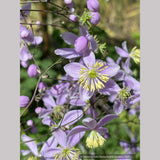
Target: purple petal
[83,30]
[48,101]
[89,60]
[73,69]
[118,107]
[112,98]
[90,123]
[132,83]
[111,87]
[51,143]
[48,121]
[111,70]
[37,40]
[68,53]
[24,54]
[60,137]
[120,75]
[93,44]
[62,98]
[122,52]
[72,117]
[103,131]
[74,139]
[77,102]
[25,13]
[78,129]
[45,112]
[105,120]
[69,38]
[31,145]
[124,46]
[84,94]
[92,112]
[25,152]
[48,154]
[110,60]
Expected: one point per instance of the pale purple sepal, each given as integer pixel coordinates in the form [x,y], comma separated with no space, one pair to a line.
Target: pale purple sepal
[89,60]
[25,13]
[37,40]
[73,69]
[61,137]
[78,129]
[48,121]
[31,145]
[117,107]
[68,53]
[105,120]
[25,152]
[111,87]
[74,139]
[122,52]
[49,153]
[103,131]
[45,112]
[48,101]
[84,94]
[77,102]
[62,98]
[69,38]
[72,117]
[90,123]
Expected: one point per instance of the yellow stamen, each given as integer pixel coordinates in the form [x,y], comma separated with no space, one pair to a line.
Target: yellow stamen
[94,140]
[92,79]
[135,54]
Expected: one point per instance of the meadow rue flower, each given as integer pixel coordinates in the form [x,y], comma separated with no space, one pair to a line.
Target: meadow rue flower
[93,5]
[81,44]
[30,123]
[24,100]
[95,18]
[70,39]
[73,18]
[67,1]
[26,34]
[66,150]
[123,52]
[44,152]
[32,70]
[93,74]
[24,13]
[95,138]
[24,64]
[42,86]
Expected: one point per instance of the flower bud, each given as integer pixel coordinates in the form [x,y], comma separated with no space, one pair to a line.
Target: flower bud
[73,18]
[30,123]
[32,71]
[67,1]
[24,100]
[71,5]
[24,64]
[95,18]
[34,129]
[42,86]
[93,5]
[38,110]
[38,23]
[81,44]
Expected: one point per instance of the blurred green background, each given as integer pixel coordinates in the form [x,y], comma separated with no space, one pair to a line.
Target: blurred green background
[120,21]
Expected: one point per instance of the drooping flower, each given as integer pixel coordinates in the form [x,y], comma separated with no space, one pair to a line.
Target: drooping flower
[32,71]
[24,100]
[95,18]
[93,75]
[97,134]
[93,5]
[123,52]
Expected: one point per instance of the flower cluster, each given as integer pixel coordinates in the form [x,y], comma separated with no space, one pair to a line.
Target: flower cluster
[70,106]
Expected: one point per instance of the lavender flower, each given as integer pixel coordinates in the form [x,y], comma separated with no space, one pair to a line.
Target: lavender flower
[24,14]
[95,18]
[32,70]
[24,100]
[93,75]
[81,44]
[95,139]
[93,5]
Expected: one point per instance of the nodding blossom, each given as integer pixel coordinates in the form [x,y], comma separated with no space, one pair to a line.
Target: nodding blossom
[97,134]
